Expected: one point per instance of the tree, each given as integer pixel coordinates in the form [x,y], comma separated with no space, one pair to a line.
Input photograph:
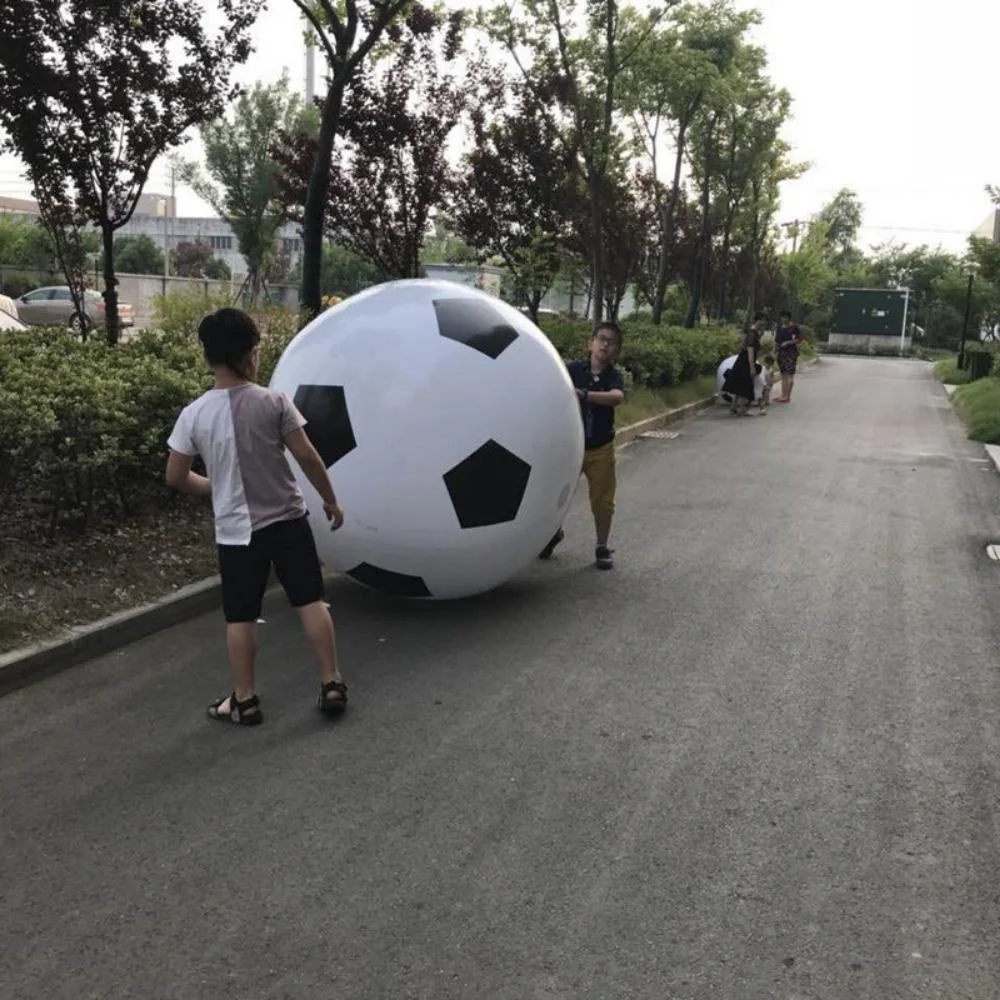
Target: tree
[92,94]
[445,246]
[243,180]
[217,270]
[517,191]
[389,169]
[138,255]
[807,273]
[346,33]
[345,273]
[577,60]
[842,217]
[665,89]
[26,244]
[195,260]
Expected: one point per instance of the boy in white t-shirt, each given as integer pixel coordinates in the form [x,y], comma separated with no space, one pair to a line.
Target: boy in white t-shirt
[241,431]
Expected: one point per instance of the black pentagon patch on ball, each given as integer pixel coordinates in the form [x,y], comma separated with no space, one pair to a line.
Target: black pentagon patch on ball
[476,324]
[487,487]
[389,582]
[328,424]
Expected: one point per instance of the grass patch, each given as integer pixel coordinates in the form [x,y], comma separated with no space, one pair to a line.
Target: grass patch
[947,371]
[641,403]
[978,403]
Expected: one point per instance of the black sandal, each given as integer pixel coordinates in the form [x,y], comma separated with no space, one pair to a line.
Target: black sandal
[332,706]
[241,713]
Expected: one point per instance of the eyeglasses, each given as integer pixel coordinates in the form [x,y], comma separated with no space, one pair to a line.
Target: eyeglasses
[607,341]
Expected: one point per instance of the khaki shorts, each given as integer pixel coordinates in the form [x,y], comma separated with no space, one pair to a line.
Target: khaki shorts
[599,468]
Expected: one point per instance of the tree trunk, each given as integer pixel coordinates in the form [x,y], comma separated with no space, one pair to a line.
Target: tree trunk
[727,237]
[110,286]
[668,215]
[314,215]
[596,252]
[698,280]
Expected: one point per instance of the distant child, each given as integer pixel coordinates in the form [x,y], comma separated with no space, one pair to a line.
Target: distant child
[763,381]
[600,388]
[241,430]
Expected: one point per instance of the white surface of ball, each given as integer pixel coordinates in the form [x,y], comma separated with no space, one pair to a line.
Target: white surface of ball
[451,431]
[720,376]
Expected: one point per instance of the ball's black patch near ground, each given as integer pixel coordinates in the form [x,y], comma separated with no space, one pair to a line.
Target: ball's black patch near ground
[328,424]
[487,487]
[476,324]
[389,582]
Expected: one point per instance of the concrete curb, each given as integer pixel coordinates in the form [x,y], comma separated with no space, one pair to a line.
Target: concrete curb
[24,666]
[31,663]
[629,434]
[993,451]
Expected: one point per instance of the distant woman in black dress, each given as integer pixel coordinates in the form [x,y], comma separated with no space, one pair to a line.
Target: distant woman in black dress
[739,381]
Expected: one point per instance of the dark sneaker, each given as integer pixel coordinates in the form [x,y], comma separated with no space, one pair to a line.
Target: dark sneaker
[546,553]
[604,557]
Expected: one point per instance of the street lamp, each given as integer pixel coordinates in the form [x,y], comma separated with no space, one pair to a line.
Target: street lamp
[971,268]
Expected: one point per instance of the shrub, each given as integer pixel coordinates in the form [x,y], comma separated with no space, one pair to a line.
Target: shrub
[83,425]
[979,404]
[655,356]
[947,371]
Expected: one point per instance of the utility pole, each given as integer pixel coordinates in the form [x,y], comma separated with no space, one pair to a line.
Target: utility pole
[171,214]
[792,229]
[310,68]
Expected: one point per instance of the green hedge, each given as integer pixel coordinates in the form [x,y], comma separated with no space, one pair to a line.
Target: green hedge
[979,404]
[83,426]
[949,373]
[655,356]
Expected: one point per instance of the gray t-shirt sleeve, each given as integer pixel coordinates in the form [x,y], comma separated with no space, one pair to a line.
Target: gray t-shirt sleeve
[291,418]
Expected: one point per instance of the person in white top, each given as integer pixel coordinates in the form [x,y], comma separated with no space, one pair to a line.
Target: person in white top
[241,431]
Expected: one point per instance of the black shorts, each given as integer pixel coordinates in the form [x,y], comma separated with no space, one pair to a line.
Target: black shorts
[290,547]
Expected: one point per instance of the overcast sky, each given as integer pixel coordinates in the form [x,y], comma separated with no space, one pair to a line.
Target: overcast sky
[893,103]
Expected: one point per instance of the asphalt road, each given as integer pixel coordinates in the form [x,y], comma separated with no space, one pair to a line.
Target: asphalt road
[757,760]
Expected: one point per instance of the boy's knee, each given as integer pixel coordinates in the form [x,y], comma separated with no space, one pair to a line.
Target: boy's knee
[602,505]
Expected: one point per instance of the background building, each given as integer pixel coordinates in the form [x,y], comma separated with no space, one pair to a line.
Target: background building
[155,216]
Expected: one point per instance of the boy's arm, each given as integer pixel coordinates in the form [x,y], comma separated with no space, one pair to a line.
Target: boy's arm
[613,397]
[312,465]
[180,476]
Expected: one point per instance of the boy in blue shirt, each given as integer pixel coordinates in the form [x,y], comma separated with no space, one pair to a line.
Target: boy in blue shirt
[600,389]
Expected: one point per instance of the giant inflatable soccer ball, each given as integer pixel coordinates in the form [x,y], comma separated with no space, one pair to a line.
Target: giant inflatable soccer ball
[451,431]
[720,378]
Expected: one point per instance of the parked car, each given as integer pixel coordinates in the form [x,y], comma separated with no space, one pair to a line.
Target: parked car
[54,307]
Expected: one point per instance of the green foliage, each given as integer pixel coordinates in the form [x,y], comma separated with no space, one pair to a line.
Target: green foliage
[138,255]
[842,217]
[197,260]
[242,183]
[344,272]
[83,425]
[949,373]
[656,356]
[25,244]
[979,405]
[92,94]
